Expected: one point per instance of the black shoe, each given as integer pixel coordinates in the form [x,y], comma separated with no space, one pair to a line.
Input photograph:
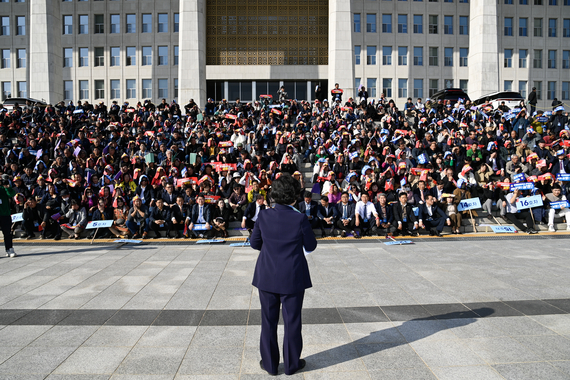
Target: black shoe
[58,237]
[343,234]
[323,233]
[263,368]
[437,233]
[530,231]
[302,364]
[431,232]
[356,235]
[414,233]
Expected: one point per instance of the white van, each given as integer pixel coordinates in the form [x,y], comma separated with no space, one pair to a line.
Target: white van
[511,99]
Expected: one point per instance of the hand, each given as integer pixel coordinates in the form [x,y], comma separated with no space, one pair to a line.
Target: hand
[191,226]
[422,225]
[43,224]
[448,222]
[243,224]
[400,227]
[208,226]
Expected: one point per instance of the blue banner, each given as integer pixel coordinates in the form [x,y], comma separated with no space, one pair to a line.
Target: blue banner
[528,202]
[563,177]
[469,204]
[558,205]
[504,229]
[522,186]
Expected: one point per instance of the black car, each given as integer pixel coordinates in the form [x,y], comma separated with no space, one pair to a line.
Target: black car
[452,94]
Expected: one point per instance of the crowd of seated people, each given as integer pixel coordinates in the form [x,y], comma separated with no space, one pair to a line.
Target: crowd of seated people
[190,171]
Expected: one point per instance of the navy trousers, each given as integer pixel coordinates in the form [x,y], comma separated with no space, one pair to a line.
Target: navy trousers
[437,223]
[292,341]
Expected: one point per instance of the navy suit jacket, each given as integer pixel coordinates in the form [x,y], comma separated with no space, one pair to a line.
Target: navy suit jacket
[322,213]
[280,234]
[196,213]
[351,207]
[312,211]
[436,213]
[250,210]
[556,166]
[389,214]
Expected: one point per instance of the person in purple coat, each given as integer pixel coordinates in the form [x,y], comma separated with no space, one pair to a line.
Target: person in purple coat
[282,274]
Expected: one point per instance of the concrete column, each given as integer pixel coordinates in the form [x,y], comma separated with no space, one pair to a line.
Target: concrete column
[192,50]
[341,66]
[45,53]
[483,48]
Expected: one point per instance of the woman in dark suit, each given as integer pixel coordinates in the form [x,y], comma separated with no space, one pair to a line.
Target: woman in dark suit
[282,274]
[221,218]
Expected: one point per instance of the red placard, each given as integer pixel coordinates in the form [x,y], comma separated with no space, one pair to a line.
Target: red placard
[418,171]
[211,198]
[266,96]
[183,181]
[337,91]
[149,133]
[225,144]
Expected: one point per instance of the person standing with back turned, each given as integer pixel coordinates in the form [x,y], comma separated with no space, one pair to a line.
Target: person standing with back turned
[282,274]
[6,192]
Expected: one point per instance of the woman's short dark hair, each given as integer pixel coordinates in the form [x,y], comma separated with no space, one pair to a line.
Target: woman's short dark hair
[285,189]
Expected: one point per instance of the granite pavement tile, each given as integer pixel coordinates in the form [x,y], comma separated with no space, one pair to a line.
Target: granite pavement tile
[530,371]
[152,361]
[93,360]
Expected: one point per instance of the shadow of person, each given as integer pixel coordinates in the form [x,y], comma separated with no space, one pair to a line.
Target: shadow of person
[394,337]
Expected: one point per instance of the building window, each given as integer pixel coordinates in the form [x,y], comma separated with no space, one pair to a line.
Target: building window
[147,88]
[67,24]
[5,28]
[538,85]
[448,56]
[552,59]
[131,26]
[565,90]
[464,85]
[115,56]
[371,22]
[5,58]
[448,83]
[163,88]
[371,55]
[522,88]
[21,58]
[6,90]
[433,86]
[523,53]
[418,88]
[537,2]
[537,61]
[464,25]
[508,85]
[463,57]
[551,93]
[432,24]
[509,2]
[99,89]
[552,2]
[402,56]
[387,55]
[566,59]
[162,55]
[523,27]
[99,24]
[175,63]
[146,56]
[131,88]
[163,23]
[176,25]
[371,85]
[147,23]
[357,49]
[386,23]
[21,28]
[508,26]
[447,24]
[538,27]
[357,83]
[115,89]
[508,58]
[387,87]
[176,88]
[131,56]
[67,89]
[67,57]
[402,88]
[83,89]
[83,57]
[99,56]
[83,24]
[566,27]
[418,56]
[551,27]
[115,24]
[418,24]
[356,20]
[434,56]
[402,23]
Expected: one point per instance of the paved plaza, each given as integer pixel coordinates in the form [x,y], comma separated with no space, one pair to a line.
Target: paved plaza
[444,309]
